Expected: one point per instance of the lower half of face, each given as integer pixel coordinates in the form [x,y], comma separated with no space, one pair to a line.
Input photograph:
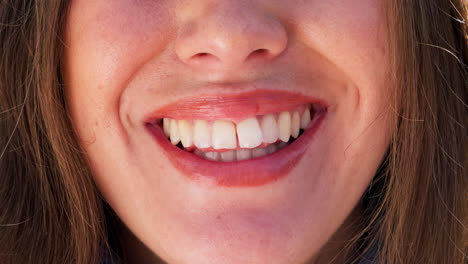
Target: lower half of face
[227,131]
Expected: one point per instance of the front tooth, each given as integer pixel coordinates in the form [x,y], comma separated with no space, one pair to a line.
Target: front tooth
[259,152]
[224,135]
[211,155]
[243,154]
[284,124]
[269,129]
[201,134]
[175,136]
[185,131]
[167,126]
[295,124]
[249,133]
[228,155]
[305,119]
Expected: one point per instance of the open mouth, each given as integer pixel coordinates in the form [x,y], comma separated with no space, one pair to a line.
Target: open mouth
[253,137]
[241,140]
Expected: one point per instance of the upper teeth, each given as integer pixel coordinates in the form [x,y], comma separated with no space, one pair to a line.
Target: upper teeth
[248,133]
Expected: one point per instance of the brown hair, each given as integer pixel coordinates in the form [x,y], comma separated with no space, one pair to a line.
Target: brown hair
[51,211]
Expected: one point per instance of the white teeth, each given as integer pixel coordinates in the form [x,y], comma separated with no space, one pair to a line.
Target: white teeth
[167,126]
[212,155]
[295,125]
[228,155]
[185,131]
[305,119]
[224,135]
[201,134]
[259,152]
[284,124]
[249,133]
[270,129]
[175,136]
[243,154]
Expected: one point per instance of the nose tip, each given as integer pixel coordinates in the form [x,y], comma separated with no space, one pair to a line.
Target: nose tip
[230,37]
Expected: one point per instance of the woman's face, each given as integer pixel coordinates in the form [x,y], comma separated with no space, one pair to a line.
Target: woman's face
[245,76]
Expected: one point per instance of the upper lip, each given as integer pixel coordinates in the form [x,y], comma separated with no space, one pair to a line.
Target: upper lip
[233,106]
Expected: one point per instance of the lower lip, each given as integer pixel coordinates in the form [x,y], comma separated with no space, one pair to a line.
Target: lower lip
[246,173]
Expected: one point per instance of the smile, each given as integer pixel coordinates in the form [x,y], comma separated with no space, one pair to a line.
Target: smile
[241,142]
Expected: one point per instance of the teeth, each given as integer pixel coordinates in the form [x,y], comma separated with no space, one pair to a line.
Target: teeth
[243,154]
[295,125]
[281,145]
[228,155]
[174,131]
[249,133]
[199,153]
[167,126]
[270,129]
[284,124]
[201,134]
[271,148]
[259,152]
[305,119]
[185,131]
[224,135]
[237,155]
[212,155]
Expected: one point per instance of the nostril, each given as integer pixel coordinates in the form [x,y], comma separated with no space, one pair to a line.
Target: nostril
[258,53]
[203,57]
[209,58]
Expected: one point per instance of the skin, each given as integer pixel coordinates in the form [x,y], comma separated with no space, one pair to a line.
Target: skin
[126,58]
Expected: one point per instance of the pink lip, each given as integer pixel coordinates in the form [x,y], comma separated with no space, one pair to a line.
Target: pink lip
[233,107]
[246,173]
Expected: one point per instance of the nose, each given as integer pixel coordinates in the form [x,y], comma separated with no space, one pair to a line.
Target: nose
[227,35]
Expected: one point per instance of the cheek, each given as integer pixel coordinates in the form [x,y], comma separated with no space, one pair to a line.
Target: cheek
[351,34]
[106,42]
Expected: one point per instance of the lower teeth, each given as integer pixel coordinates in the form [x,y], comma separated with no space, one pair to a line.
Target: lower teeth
[241,154]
